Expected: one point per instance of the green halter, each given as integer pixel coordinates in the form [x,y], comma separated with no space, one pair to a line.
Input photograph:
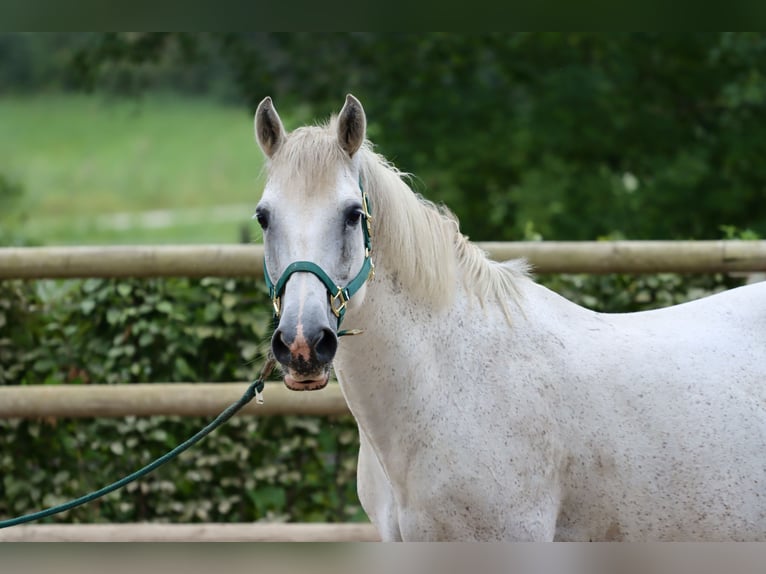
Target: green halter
[339,296]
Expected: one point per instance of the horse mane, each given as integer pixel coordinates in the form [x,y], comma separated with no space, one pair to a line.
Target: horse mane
[422,242]
[413,237]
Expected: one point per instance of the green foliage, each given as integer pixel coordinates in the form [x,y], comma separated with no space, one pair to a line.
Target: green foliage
[33,62]
[179,329]
[618,293]
[20,325]
[282,468]
[11,195]
[122,331]
[583,135]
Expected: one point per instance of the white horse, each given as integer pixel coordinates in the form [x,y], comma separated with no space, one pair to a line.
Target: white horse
[489,407]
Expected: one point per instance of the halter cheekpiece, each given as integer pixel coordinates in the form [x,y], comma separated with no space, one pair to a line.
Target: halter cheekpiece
[339,296]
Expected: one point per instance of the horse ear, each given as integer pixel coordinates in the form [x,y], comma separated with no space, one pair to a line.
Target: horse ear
[269,131]
[352,125]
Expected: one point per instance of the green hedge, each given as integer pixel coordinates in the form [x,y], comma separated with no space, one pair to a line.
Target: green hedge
[122,331]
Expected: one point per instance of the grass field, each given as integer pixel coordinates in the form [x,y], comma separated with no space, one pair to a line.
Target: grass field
[158,170]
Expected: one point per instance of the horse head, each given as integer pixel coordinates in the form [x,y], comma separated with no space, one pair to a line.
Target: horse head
[316,234]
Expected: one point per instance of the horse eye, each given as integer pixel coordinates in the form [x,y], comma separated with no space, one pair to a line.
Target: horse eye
[353,217]
[262,218]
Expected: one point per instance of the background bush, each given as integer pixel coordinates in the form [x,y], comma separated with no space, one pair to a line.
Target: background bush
[580,134]
[122,331]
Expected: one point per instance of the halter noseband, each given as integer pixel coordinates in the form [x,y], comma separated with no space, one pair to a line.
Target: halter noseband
[339,296]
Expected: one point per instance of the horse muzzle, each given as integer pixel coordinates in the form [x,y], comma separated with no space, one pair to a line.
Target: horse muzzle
[306,356]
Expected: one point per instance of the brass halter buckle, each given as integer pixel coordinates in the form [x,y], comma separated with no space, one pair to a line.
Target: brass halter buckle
[338,303]
[277,304]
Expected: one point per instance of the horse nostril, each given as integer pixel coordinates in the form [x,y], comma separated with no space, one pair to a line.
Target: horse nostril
[322,346]
[325,344]
[279,347]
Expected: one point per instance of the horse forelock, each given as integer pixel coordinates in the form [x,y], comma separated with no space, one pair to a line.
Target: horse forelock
[418,240]
[308,160]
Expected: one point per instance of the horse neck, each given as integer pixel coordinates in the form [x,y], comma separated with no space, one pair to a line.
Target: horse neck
[400,368]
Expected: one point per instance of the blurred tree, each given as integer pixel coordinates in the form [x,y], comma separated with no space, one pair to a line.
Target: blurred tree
[11,214]
[569,135]
[30,62]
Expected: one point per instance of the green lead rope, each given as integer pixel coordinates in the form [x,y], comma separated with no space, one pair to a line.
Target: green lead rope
[254,390]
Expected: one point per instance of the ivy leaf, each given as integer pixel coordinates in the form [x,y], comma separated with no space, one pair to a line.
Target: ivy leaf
[165,307]
[92,284]
[87,305]
[114,315]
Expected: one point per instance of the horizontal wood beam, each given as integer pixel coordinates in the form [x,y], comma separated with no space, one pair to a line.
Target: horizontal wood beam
[247,260]
[635,256]
[210,532]
[131,261]
[149,399]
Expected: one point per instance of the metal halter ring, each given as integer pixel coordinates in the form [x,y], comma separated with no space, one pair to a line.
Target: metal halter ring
[338,303]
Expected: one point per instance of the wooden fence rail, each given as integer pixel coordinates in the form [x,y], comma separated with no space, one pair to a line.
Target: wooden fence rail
[208,532]
[247,260]
[147,399]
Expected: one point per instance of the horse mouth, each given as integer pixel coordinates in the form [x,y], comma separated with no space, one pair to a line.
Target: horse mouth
[306,383]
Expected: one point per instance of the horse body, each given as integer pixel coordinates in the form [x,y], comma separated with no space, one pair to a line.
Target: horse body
[565,424]
[490,408]
[669,423]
